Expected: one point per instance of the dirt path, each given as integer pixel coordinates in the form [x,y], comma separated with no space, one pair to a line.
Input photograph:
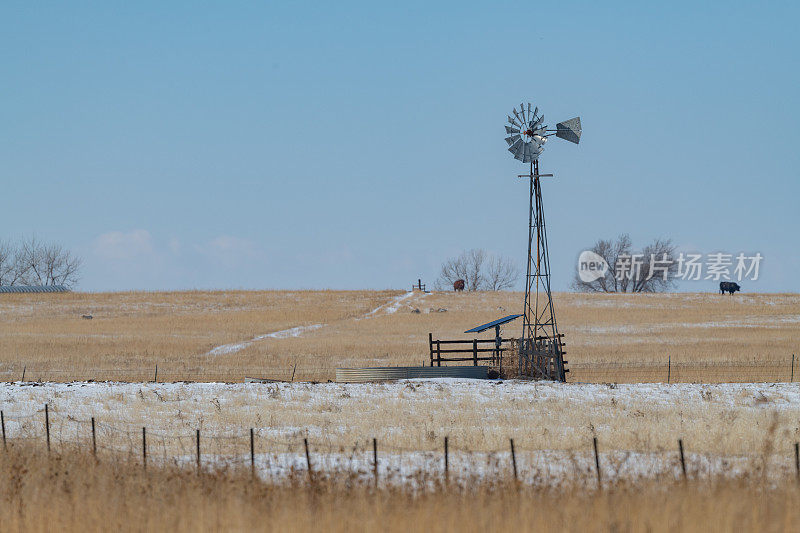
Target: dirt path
[390,307]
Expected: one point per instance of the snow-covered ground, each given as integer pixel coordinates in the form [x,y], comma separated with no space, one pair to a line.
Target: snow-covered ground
[727,429]
[392,305]
[283,334]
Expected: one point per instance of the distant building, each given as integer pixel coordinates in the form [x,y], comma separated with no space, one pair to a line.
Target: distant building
[32,288]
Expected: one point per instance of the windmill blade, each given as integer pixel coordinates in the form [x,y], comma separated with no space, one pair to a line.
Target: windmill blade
[511,140]
[569,130]
[513,148]
[512,121]
[511,130]
[520,151]
[529,108]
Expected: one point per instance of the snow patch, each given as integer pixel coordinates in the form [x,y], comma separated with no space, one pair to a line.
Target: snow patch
[291,332]
[283,334]
[391,306]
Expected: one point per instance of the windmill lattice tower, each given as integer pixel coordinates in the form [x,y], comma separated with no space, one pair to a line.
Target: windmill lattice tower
[541,348]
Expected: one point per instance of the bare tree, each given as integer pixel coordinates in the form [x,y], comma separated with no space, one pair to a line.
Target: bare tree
[479,270]
[59,266]
[651,270]
[452,270]
[31,262]
[610,251]
[7,265]
[474,260]
[658,268]
[501,274]
[17,271]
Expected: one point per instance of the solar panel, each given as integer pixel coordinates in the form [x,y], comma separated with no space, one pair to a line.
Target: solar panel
[489,325]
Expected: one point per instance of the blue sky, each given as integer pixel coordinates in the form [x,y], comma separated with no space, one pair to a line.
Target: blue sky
[356,145]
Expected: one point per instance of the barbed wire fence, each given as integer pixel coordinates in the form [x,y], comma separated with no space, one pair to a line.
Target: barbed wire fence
[296,455]
[770,370]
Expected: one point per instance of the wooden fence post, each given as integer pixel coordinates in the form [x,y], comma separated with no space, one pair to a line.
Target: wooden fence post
[430,346]
[474,352]
[791,380]
[47,425]
[308,461]
[446,462]
[252,454]
[438,353]
[94,440]
[197,441]
[375,459]
[155,376]
[514,459]
[683,461]
[3,423]
[597,464]
[24,368]
[797,459]
[669,367]
[144,448]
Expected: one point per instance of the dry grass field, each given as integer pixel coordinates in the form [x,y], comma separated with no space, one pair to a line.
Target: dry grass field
[226,335]
[739,438]
[72,492]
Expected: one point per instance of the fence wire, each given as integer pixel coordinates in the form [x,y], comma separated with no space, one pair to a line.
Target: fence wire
[666,371]
[66,429]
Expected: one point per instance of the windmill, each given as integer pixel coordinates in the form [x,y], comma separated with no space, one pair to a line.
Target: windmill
[541,353]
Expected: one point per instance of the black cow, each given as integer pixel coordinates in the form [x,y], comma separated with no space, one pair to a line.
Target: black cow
[729,287]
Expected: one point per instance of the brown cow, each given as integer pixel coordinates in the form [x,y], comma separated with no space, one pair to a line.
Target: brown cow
[458,285]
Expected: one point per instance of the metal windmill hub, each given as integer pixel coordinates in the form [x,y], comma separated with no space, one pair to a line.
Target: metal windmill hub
[527,133]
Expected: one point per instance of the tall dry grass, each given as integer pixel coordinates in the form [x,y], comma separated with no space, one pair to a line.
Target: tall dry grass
[737,338]
[73,492]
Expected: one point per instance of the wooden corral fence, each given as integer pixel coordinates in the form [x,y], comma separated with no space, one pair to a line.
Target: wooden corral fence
[474,350]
